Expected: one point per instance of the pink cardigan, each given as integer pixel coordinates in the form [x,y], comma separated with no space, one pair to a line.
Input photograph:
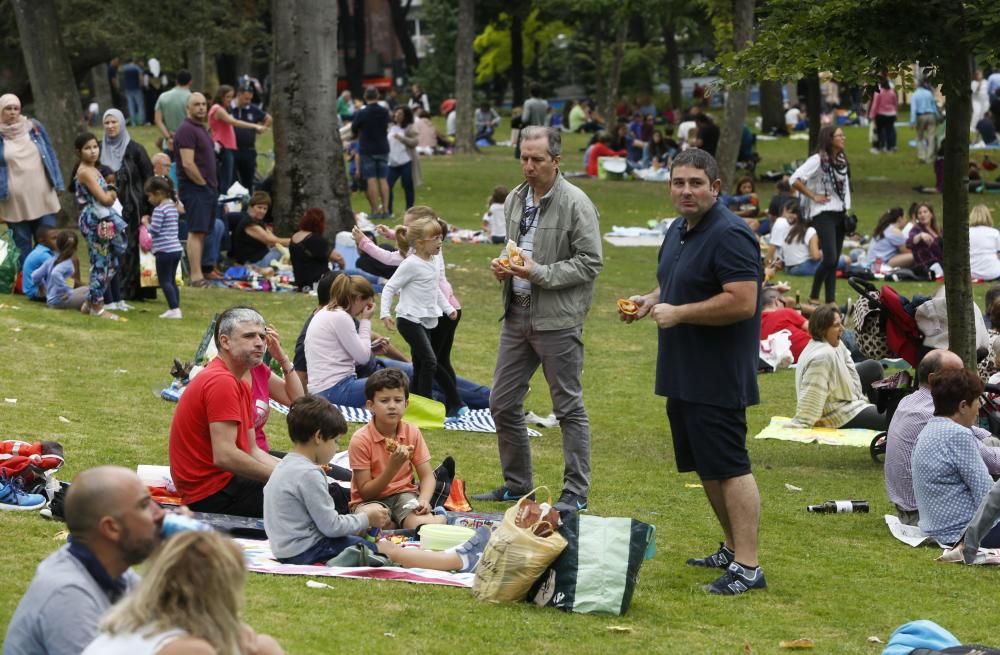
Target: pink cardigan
[393,258]
[884,102]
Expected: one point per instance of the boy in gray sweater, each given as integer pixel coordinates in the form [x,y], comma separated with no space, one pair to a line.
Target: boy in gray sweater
[300,519]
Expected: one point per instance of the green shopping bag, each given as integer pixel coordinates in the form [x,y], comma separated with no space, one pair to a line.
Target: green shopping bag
[425,413]
[9,255]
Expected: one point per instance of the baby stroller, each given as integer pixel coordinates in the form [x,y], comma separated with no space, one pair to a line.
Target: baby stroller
[883,326]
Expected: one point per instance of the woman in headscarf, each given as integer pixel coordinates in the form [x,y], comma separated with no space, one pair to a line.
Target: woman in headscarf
[29,174]
[130,164]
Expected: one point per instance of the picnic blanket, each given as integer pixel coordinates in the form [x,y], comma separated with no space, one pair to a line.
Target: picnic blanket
[259,559]
[634,236]
[477,420]
[827,436]
[914,537]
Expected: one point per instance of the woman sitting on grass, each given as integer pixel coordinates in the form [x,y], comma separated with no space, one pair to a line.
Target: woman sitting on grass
[829,387]
[925,242]
[984,244]
[950,478]
[794,243]
[188,603]
[889,241]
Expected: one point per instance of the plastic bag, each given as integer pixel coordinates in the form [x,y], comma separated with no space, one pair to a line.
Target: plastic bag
[9,264]
[776,349]
[145,240]
[515,556]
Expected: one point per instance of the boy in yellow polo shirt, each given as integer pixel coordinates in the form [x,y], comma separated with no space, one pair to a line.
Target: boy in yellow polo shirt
[388,451]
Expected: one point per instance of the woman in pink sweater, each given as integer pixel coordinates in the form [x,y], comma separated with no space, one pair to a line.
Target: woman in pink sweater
[883,109]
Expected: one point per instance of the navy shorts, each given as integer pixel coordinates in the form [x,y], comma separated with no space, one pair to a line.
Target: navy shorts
[199,206]
[709,439]
[374,166]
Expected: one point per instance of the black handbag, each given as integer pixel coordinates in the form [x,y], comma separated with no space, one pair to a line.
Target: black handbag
[850,223]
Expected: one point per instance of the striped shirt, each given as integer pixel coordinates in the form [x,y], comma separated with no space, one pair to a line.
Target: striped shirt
[163,228]
[827,386]
[910,417]
[526,242]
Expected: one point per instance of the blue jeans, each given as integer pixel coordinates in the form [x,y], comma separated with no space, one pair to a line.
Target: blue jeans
[326,549]
[136,107]
[349,392]
[24,232]
[475,396]
[226,169]
[166,273]
[266,260]
[406,173]
[808,267]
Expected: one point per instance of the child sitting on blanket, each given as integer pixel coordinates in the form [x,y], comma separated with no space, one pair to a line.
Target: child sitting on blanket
[385,454]
[303,525]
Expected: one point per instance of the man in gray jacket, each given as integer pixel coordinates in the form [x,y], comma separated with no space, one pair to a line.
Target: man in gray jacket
[545,301]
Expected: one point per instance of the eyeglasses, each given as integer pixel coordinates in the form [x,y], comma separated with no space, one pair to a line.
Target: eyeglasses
[528,220]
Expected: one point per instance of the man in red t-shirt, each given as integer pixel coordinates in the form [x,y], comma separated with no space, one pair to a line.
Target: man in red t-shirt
[214,459]
[775,317]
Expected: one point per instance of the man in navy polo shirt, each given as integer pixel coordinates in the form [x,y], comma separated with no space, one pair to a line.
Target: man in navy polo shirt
[370,126]
[706,306]
[246,139]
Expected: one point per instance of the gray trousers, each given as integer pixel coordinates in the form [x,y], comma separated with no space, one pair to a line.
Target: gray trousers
[560,353]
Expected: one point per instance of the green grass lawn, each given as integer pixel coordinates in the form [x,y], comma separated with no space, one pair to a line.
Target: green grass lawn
[93,385]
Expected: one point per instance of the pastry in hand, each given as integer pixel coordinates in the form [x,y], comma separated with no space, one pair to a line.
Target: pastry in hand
[627,307]
[514,253]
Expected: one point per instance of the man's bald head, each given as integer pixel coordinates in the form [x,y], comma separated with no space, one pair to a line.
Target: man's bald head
[97,493]
[934,361]
[197,107]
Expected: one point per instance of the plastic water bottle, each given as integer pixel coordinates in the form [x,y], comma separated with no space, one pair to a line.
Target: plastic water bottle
[175,523]
[877,268]
[840,507]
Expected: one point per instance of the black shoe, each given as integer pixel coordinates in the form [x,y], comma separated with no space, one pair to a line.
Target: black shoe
[737,580]
[500,495]
[720,559]
[571,502]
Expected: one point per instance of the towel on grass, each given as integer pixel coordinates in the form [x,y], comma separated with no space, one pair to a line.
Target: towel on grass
[259,559]
[827,436]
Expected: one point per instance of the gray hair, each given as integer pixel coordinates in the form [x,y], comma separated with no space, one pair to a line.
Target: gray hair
[697,158]
[533,132]
[770,296]
[232,317]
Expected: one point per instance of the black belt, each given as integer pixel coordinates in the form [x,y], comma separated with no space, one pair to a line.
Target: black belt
[520,300]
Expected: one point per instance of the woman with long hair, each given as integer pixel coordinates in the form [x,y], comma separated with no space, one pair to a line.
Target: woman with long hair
[824,180]
[926,244]
[312,253]
[333,346]
[403,162]
[889,242]
[221,124]
[189,602]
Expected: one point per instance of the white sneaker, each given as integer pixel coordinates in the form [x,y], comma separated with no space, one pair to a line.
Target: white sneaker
[124,306]
[111,305]
[171,313]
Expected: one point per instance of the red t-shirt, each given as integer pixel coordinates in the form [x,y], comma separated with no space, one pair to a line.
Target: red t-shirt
[214,396]
[785,319]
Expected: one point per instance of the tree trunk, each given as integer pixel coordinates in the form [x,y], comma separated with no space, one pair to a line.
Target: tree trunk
[673,67]
[399,9]
[101,87]
[57,102]
[198,65]
[615,75]
[772,111]
[354,57]
[735,111]
[464,77]
[309,158]
[517,56]
[955,197]
[813,109]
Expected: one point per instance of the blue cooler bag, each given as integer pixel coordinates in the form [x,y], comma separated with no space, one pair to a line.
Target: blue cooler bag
[599,569]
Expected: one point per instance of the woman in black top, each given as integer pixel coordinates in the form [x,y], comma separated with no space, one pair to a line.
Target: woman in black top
[252,242]
[310,251]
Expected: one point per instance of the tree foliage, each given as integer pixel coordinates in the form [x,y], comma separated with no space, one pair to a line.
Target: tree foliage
[857,40]
[494,48]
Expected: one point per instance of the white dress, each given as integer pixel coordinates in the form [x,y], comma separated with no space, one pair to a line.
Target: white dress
[133,643]
[984,244]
